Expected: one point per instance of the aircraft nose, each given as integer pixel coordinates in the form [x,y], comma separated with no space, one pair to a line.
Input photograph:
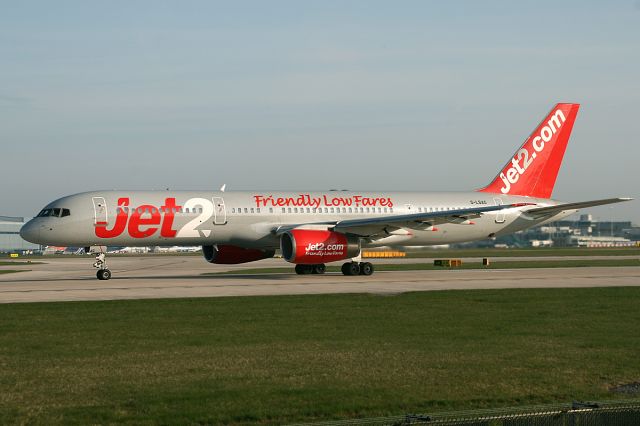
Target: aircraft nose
[30,232]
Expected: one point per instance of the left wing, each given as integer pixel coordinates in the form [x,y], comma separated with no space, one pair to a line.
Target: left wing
[419,221]
[540,212]
[366,227]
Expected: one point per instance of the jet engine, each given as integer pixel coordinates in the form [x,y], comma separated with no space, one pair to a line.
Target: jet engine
[231,255]
[312,247]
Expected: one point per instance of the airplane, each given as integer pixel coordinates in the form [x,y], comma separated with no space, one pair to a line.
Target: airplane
[315,228]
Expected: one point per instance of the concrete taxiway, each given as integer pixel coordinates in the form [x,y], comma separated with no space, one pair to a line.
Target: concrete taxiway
[146,277]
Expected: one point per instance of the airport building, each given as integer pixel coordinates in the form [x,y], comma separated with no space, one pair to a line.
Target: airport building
[583,232]
[10,240]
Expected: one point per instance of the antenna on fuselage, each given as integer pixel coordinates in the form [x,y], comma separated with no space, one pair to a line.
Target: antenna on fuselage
[223,187]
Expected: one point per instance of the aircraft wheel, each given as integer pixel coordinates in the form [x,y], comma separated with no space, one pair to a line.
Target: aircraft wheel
[319,269]
[103,274]
[366,268]
[351,268]
[304,269]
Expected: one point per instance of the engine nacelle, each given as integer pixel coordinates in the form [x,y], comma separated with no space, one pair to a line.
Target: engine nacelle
[311,247]
[231,255]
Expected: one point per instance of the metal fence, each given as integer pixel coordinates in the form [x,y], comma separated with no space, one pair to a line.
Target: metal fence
[575,414]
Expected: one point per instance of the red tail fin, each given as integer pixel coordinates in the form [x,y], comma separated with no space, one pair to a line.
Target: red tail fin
[533,169]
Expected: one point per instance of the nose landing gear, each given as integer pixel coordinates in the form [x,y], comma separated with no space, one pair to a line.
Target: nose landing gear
[103,272]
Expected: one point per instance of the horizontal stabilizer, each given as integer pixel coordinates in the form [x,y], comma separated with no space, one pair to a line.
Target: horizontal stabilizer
[552,210]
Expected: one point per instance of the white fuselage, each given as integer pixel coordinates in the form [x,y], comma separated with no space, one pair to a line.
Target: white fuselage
[251,219]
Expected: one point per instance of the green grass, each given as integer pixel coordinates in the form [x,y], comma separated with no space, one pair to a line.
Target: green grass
[10,271]
[12,263]
[577,263]
[273,360]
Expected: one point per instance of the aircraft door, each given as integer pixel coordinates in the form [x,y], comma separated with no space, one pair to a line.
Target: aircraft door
[499,213]
[219,211]
[99,211]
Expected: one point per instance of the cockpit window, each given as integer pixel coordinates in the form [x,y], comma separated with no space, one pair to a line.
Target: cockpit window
[55,212]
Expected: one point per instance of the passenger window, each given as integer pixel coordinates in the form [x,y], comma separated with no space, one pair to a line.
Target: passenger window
[252,211]
[379,209]
[258,209]
[233,210]
[350,210]
[289,209]
[385,209]
[326,210]
[283,210]
[295,210]
[308,210]
[246,210]
[270,209]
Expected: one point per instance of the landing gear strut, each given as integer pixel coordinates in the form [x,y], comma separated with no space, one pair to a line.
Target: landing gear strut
[103,272]
[355,268]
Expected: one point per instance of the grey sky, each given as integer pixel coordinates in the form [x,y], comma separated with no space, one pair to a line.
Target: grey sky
[290,95]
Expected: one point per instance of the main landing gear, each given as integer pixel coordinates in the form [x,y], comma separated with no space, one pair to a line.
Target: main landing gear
[311,269]
[355,268]
[349,268]
[103,272]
